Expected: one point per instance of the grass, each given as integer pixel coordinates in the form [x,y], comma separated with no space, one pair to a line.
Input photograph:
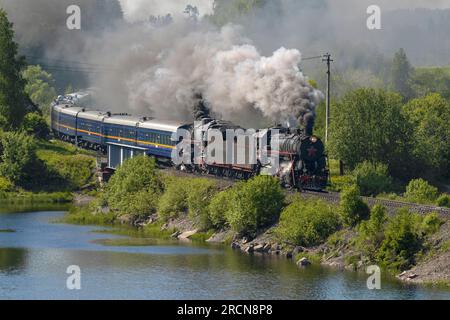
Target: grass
[314,258]
[202,236]
[22,197]
[82,216]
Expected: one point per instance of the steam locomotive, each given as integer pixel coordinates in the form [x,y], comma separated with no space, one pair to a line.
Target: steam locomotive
[300,159]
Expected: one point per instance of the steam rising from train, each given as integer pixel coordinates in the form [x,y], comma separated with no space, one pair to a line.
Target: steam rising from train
[231,75]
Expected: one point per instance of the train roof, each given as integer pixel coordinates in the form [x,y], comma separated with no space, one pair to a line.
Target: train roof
[124,120]
[162,125]
[93,115]
[121,119]
[69,109]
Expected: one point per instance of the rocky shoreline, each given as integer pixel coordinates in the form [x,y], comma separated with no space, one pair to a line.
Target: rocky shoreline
[432,269]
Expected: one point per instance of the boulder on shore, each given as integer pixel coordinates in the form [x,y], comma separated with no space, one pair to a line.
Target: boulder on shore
[186,235]
[303,262]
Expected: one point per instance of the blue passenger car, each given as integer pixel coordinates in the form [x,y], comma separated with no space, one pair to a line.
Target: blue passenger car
[156,136]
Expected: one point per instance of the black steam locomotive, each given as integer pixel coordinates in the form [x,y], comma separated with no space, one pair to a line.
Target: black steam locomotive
[298,160]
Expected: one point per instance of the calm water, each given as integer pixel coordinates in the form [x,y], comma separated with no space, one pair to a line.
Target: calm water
[34,259]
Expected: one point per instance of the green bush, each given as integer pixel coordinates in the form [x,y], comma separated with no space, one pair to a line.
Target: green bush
[307,222]
[256,203]
[420,191]
[135,179]
[403,240]
[174,200]
[199,195]
[352,208]
[191,195]
[18,159]
[35,124]
[431,224]
[6,185]
[371,232]
[372,178]
[443,201]
[219,206]
[339,183]
[74,171]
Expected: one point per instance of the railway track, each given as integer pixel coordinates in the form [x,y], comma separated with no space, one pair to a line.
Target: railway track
[334,197]
[391,205]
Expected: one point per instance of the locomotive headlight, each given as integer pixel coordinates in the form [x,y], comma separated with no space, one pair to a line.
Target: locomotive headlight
[313,139]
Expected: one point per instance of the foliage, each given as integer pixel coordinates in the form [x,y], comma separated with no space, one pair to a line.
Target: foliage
[307,222]
[219,206]
[191,195]
[371,232]
[443,201]
[199,195]
[430,117]
[403,240]
[35,124]
[368,125]
[84,216]
[66,170]
[426,81]
[431,224]
[420,191]
[136,185]
[226,11]
[352,208]
[372,178]
[401,72]
[39,86]
[339,183]
[174,200]
[5,185]
[18,159]
[13,99]
[255,204]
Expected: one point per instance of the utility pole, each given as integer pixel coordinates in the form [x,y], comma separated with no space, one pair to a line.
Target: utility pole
[328,60]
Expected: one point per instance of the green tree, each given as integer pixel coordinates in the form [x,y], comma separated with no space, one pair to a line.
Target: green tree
[35,124]
[401,72]
[372,178]
[219,206]
[402,241]
[368,125]
[371,232]
[226,11]
[430,118]
[135,188]
[13,99]
[431,80]
[255,204]
[307,222]
[39,86]
[18,158]
[420,191]
[352,208]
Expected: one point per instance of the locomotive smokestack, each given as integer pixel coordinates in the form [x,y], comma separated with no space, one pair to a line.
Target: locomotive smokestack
[200,110]
[307,122]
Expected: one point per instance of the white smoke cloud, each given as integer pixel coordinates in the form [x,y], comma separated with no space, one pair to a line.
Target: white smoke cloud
[231,75]
[136,10]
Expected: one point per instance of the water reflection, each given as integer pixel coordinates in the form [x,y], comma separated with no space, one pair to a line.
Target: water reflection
[12,260]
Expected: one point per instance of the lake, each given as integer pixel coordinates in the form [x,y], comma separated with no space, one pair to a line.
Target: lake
[35,253]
